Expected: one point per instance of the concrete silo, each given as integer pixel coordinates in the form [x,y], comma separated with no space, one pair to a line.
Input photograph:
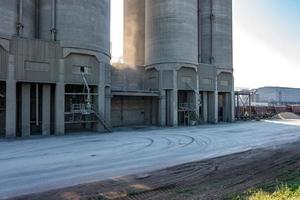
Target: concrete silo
[17,18]
[134,32]
[171,54]
[216,32]
[216,57]
[82,28]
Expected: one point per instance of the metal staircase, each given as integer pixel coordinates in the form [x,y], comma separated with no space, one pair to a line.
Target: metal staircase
[89,108]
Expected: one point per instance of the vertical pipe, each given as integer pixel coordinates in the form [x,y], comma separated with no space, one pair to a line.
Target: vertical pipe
[37,19]
[20,25]
[212,18]
[199,32]
[53,25]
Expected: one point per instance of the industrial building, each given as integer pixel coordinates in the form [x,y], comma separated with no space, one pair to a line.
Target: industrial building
[56,76]
[277,95]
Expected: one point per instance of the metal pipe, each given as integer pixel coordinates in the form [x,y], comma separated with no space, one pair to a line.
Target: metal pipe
[53,25]
[212,18]
[199,32]
[37,19]
[20,25]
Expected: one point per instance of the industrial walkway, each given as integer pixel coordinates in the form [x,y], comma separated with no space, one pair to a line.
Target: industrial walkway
[37,165]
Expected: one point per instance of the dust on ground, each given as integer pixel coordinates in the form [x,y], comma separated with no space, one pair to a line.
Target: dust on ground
[286,116]
[218,178]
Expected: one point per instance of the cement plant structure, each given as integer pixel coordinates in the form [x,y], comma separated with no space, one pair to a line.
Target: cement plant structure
[56,76]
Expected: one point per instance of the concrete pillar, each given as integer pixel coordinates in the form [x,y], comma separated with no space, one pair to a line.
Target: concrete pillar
[60,101]
[162,108]
[216,107]
[108,105]
[232,107]
[46,110]
[11,100]
[216,101]
[25,102]
[101,102]
[174,107]
[205,107]
[174,99]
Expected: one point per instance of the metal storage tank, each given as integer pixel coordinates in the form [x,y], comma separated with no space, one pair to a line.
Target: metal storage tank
[134,32]
[216,32]
[17,13]
[171,31]
[83,24]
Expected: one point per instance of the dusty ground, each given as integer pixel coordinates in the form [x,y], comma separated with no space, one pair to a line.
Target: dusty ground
[41,164]
[218,178]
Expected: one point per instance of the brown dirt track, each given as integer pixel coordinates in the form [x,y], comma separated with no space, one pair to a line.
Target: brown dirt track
[218,178]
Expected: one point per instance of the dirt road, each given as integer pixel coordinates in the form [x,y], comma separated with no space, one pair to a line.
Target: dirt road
[38,165]
[218,178]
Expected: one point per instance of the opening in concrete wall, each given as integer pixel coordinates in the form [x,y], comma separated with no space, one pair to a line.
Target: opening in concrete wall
[186,108]
[78,117]
[35,109]
[2,108]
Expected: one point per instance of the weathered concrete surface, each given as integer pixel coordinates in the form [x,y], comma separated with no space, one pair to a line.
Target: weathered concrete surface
[41,164]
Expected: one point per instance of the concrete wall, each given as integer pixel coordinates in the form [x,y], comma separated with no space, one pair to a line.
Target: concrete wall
[73,64]
[36,60]
[125,78]
[133,111]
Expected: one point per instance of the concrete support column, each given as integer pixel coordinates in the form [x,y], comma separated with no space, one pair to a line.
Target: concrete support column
[232,107]
[25,99]
[216,102]
[162,108]
[197,97]
[174,99]
[174,107]
[46,110]
[233,101]
[11,100]
[108,105]
[205,107]
[101,102]
[216,107]
[60,101]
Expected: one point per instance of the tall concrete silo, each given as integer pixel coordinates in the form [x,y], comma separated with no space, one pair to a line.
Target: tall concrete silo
[216,32]
[77,24]
[17,17]
[171,54]
[171,31]
[134,32]
[82,28]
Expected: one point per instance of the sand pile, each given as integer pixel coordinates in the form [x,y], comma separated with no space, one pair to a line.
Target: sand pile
[286,115]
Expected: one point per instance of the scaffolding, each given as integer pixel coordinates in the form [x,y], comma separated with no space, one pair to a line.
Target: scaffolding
[80,106]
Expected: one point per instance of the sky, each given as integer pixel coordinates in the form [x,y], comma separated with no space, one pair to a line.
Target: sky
[266,41]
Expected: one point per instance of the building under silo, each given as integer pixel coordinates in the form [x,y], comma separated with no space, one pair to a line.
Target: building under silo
[55,66]
[182,52]
[56,76]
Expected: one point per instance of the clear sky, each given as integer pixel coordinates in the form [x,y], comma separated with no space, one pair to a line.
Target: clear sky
[266,35]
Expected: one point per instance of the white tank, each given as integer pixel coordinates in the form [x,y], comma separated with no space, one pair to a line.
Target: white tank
[171,31]
[83,24]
